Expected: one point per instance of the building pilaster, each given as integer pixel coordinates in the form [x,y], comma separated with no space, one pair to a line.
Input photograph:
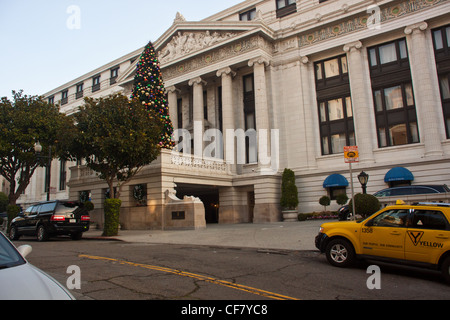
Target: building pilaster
[173,105]
[426,88]
[198,115]
[362,101]
[261,108]
[228,120]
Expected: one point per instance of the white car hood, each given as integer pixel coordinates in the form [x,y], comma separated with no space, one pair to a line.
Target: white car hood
[26,282]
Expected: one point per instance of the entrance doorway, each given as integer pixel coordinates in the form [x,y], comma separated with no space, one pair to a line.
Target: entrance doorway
[209,195]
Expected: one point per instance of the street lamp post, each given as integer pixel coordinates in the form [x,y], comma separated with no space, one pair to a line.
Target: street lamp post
[47,165]
[363,179]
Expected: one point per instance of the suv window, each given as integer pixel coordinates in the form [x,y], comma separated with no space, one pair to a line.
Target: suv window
[423,190]
[391,218]
[66,207]
[401,191]
[47,207]
[34,209]
[27,212]
[429,219]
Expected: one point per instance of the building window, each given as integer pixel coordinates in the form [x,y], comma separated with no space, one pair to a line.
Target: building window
[396,115]
[95,83]
[62,175]
[336,125]
[180,113]
[51,100]
[64,97]
[286,7]
[334,105]
[205,105]
[441,43]
[389,60]
[79,93]
[248,15]
[114,75]
[393,95]
[251,151]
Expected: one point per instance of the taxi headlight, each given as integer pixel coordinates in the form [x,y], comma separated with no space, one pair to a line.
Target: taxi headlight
[321,229]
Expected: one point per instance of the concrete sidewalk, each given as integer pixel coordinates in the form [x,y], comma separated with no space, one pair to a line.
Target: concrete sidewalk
[271,236]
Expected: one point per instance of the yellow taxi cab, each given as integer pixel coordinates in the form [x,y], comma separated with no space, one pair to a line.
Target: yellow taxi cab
[417,234]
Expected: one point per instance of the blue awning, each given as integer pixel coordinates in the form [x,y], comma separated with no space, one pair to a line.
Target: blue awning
[399,174]
[335,180]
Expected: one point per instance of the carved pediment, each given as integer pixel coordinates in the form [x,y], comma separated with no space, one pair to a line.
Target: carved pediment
[185,43]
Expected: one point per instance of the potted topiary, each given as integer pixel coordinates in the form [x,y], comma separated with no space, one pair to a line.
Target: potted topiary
[365,205]
[289,196]
[325,201]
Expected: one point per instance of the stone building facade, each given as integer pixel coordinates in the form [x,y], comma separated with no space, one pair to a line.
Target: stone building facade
[292,82]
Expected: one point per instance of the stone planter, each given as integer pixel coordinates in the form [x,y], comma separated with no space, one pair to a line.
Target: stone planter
[290,215]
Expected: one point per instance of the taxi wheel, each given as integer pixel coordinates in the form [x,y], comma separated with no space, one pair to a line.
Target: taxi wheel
[340,253]
[445,268]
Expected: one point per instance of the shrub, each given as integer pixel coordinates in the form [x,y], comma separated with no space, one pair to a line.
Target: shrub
[12,211]
[325,201]
[289,191]
[88,205]
[112,211]
[341,199]
[304,216]
[365,204]
[3,202]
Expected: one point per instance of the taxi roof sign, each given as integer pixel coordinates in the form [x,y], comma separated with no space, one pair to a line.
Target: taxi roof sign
[351,154]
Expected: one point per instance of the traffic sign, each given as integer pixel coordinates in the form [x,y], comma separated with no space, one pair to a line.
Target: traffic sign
[351,154]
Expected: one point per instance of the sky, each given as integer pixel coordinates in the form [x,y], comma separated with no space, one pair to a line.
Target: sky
[47,43]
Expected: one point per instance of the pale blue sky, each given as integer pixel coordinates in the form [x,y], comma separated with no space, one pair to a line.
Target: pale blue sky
[39,52]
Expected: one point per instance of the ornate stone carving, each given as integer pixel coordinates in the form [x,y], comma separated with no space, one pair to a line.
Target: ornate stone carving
[388,12]
[188,42]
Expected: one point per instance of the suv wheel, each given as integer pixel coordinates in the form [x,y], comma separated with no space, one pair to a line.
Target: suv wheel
[13,234]
[340,253]
[42,234]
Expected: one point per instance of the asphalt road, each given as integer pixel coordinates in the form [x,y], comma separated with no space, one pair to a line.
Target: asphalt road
[115,270]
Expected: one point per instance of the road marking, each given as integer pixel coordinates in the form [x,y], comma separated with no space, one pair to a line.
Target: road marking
[224,283]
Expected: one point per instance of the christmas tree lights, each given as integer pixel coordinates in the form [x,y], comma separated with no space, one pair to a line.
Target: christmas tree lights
[149,89]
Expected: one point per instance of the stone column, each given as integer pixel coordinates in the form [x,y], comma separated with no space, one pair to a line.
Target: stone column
[426,88]
[309,109]
[198,115]
[228,122]
[361,100]
[261,109]
[173,105]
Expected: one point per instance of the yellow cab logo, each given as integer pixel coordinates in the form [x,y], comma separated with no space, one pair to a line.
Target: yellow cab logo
[415,236]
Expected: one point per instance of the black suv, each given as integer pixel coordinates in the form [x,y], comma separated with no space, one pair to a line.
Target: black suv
[51,218]
[344,212]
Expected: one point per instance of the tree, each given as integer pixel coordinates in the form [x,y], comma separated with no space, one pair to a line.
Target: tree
[24,121]
[325,201]
[289,191]
[117,137]
[149,90]
[365,204]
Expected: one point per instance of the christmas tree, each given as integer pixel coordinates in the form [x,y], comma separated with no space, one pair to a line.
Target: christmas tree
[149,89]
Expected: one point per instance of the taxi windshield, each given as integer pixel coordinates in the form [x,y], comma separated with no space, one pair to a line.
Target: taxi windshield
[9,257]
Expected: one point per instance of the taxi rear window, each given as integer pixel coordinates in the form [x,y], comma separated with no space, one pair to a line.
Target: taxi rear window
[429,219]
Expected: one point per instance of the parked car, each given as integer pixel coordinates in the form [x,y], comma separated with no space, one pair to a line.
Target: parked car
[344,211]
[51,218]
[416,235]
[22,281]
